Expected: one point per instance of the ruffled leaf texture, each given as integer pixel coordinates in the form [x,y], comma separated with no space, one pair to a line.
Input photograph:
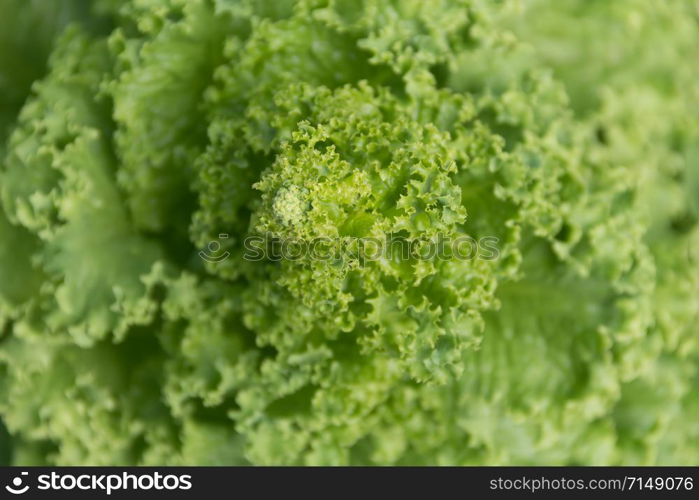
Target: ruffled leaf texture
[565,129]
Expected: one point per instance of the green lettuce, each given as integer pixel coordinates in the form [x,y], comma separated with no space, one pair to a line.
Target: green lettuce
[137,133]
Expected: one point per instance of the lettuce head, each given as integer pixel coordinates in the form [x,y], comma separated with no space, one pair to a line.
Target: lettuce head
[140,136]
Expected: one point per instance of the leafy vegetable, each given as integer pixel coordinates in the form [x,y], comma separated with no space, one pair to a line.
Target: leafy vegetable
[565,129]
